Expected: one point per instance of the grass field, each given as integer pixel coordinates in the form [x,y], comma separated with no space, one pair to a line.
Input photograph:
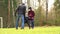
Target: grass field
[36,30]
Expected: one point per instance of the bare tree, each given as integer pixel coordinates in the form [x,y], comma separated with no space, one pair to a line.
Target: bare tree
[8,23]
[46,10]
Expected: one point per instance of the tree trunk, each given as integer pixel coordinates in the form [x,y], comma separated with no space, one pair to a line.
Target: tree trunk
[8,23]
[46,11]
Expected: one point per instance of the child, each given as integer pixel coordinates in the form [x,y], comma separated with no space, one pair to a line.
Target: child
[31,15]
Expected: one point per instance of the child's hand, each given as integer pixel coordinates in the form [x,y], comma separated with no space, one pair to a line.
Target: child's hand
[29,17]
[32,17]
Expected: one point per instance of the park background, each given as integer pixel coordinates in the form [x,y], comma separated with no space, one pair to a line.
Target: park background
[47,12]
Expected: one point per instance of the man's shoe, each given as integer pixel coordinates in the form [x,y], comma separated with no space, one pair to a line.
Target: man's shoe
[22,28]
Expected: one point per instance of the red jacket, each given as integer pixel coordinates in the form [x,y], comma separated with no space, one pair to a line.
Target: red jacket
[31,14]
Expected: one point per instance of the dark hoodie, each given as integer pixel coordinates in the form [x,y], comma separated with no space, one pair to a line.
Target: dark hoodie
[21,9]
[31,15]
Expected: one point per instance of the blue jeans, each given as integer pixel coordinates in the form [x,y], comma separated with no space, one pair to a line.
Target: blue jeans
[31,23]
[22,16]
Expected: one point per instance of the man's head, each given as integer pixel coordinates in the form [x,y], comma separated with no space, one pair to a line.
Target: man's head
[23,3]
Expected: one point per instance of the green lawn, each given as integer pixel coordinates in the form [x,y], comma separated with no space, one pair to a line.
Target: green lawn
[36,30]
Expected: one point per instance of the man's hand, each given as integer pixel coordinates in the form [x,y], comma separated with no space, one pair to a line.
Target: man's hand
[15,14]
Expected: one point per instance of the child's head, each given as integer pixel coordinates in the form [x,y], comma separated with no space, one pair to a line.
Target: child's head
[30,8]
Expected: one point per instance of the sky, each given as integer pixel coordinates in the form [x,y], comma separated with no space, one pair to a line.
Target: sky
[50,4]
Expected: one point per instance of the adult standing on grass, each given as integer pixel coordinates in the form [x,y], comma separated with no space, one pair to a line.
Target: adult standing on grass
[21,12]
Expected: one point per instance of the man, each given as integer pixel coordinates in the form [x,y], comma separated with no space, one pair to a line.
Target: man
[21,13]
